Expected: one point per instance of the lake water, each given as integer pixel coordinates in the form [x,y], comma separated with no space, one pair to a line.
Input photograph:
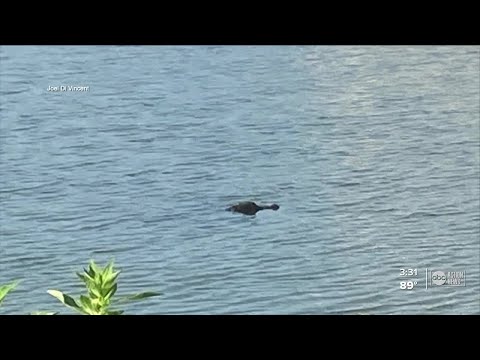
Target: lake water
[372,154]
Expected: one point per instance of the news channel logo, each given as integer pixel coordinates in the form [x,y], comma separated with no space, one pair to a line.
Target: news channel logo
[447,278]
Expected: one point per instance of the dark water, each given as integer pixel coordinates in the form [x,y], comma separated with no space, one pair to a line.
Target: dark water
[372,154]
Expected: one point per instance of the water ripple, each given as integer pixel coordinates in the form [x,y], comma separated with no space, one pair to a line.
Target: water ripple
[373,158]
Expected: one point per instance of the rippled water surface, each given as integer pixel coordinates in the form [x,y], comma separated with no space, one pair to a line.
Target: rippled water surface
[372,154]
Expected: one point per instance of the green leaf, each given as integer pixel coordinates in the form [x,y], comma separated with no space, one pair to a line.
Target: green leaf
[111,292]
[82,277]
[90,306]
[94,268]
[86,302]
[100,279]
[93,291]
[113,277]
[86,278]
[65,299]
[89,272]
[44,313]
[107,272]
[136,297]
[5,289]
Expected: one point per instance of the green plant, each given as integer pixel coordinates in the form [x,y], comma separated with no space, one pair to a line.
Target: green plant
[5,289]
[101,286]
